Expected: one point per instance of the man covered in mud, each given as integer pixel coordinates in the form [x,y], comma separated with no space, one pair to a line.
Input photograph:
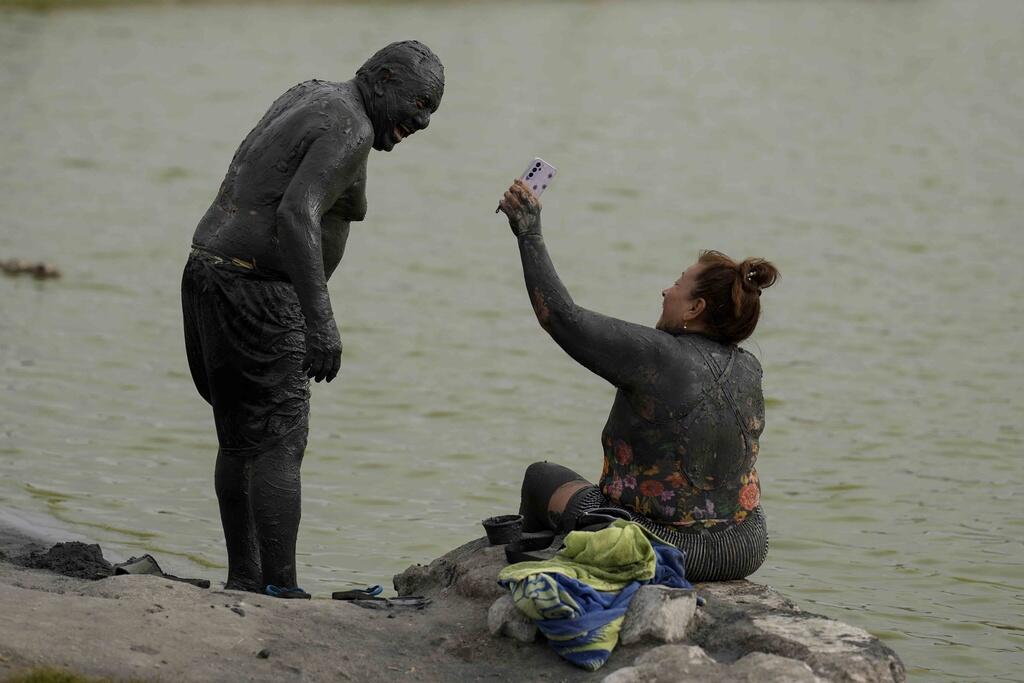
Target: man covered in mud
[257,313]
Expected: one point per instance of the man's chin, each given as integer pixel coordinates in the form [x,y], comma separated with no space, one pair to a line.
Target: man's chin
[384,143]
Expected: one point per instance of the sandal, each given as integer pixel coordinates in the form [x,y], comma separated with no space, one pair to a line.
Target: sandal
[294,593]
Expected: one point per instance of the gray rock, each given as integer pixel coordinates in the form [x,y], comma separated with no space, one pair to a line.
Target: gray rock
[835,650]
[658,613]
[758,666]
[742,617]
[679,663]
[747,595]
[505,619]
[471,571]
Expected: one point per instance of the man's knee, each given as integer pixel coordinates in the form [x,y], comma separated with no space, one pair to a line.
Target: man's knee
[231,478]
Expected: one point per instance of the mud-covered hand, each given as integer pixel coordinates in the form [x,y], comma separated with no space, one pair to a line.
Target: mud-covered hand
[522,209]
[323,350]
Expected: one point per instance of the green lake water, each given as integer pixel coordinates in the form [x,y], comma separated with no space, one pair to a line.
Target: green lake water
[873,150]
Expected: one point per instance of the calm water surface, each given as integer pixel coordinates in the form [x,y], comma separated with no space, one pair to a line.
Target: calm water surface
[872,150]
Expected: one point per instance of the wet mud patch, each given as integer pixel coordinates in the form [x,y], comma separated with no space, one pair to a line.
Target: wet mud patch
[79,560]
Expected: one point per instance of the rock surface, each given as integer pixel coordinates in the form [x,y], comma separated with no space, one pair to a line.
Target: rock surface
[150,629]
[743,627]
[675,663]
[658,614]
[505,619]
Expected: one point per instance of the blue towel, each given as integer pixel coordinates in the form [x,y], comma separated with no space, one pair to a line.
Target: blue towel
[580,622]
[671,568]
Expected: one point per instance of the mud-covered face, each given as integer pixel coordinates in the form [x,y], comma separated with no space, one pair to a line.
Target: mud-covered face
[405,95]
[410,113]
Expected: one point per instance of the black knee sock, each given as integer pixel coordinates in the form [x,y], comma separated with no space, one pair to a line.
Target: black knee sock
[540,482]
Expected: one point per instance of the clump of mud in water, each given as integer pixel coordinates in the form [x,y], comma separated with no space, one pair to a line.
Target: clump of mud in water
[80,560]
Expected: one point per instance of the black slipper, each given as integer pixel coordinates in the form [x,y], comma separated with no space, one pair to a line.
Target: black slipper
[146,565]
[534,547]
[358,593]
[407,601]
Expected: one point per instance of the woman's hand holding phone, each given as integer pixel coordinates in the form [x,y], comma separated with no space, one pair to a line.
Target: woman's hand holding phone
[521,203]
[522,209]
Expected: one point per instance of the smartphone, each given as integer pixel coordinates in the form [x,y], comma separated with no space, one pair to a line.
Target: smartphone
[537,176]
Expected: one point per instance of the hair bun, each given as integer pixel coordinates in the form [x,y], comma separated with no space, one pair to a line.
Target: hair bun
[757,274]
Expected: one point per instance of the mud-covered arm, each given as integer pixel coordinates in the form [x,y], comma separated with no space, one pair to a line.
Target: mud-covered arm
[329,166]
[624,353]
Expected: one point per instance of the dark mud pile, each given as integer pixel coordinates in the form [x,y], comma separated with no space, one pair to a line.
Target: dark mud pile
[80,560]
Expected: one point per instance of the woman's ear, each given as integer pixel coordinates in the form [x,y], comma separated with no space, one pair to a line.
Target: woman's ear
[697,308]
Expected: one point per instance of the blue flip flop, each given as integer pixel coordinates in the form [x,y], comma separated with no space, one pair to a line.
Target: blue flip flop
[295,593]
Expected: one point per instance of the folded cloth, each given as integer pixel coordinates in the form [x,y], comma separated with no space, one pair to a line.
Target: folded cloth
[605,560]
[581,624]
[579,597]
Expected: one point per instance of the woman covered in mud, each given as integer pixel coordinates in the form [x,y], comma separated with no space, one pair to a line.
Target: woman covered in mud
[681,439]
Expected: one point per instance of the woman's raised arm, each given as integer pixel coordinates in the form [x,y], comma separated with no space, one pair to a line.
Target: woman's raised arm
[624,353]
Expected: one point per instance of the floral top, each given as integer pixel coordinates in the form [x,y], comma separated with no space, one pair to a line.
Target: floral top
[693,464]
[662,492]
[681,438]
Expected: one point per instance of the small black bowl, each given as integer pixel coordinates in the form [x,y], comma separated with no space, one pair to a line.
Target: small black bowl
[503,528]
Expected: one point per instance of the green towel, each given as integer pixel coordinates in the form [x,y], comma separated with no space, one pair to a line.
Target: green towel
[605,560]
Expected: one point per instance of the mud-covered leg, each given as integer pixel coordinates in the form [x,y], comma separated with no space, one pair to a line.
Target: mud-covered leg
[232,482]
[547,488]
[277,508]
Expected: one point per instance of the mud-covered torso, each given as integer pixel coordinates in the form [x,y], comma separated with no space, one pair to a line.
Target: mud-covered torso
[681,447]
[241,222]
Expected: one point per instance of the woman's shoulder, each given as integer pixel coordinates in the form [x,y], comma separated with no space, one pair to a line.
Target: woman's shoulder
[704,359]
[749,360]
[731,358]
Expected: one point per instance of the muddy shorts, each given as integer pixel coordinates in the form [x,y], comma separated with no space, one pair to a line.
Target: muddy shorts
[245,341]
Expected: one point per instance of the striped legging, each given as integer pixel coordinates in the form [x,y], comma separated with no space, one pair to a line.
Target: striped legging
[711,555]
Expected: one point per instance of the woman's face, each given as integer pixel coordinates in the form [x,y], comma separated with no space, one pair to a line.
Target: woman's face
[677,306]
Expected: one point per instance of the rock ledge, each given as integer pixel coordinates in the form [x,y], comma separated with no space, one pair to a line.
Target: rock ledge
[743,632]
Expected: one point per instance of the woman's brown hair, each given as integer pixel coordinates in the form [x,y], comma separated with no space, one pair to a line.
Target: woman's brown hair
[732,294]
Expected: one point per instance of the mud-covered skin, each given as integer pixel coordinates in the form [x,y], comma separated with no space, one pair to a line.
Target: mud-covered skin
[672,423]
[291,191]
[298,179]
